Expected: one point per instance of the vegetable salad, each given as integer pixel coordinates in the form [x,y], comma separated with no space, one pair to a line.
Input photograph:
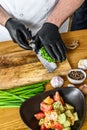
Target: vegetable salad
[55,114]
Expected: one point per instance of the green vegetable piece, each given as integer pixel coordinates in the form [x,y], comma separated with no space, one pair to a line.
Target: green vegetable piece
[66,123]
[67,128]
[76,116]
[45,55]
[62,118]
[69,107]
[58,106]
[68,113]
[41,121]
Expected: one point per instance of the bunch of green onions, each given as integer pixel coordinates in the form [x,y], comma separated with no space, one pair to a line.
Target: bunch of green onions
[16,96]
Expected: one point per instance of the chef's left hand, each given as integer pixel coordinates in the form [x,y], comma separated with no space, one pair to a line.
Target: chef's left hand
[49,37]
[18,32]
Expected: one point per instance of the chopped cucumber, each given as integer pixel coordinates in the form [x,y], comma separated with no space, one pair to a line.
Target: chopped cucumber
[68,113]
[62,109]
[58,106]
[67,128]
[62,118]
[41,121]
[69,107]
[76,116]
[66,123]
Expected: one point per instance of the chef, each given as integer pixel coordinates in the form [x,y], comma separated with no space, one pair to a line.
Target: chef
[18,18]
[79,19]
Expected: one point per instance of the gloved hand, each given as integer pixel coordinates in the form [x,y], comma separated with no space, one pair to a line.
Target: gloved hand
[18,32]
[49,37]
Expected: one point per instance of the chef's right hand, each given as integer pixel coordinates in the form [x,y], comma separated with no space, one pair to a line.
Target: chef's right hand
[18,32]
[49,37]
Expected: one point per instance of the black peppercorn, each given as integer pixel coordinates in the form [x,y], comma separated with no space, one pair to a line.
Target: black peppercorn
[77,75]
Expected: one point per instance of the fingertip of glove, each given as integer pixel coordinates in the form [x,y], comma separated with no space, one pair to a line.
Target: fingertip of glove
[62,59]
[25,47]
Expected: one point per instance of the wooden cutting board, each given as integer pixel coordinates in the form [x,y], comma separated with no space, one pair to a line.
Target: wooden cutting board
[20,67]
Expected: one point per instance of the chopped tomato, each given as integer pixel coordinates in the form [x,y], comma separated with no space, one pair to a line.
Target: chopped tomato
[57,96]
[44,128]
[39,115]
[45,107]
[57,126]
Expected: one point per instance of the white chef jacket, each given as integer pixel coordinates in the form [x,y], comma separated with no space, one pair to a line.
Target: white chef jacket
[32,12]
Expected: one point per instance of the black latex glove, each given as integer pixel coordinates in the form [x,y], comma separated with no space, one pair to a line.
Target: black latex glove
[18,32]
[49,37]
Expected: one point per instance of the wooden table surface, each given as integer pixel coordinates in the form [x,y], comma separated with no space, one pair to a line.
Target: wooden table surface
[10,117]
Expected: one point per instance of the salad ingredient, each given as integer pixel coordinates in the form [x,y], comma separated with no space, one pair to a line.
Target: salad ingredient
[45,107]
[48,100]
[43,127]
[82,64]
[57,81]
[45,55]
[57,97]
[69,107]
[14,97]
[39,115]
[60,116]
[57,126]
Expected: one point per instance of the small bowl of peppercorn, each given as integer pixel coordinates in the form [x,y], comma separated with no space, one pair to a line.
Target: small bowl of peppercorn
[76,76]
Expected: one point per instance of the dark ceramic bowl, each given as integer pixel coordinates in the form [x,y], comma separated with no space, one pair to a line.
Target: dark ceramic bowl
[70,95]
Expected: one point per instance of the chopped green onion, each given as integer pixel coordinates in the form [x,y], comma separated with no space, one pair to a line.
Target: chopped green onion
[45,55]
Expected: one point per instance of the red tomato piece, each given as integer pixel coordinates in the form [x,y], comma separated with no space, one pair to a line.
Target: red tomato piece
[44,128]
[45,107]
[57,126]
[39,115]
[57,97]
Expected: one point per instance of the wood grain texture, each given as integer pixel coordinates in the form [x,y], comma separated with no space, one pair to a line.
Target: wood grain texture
[10,118]
[20,67]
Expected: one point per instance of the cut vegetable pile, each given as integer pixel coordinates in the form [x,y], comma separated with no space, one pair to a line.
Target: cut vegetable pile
[55,114]
[15,97]
[45,55]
